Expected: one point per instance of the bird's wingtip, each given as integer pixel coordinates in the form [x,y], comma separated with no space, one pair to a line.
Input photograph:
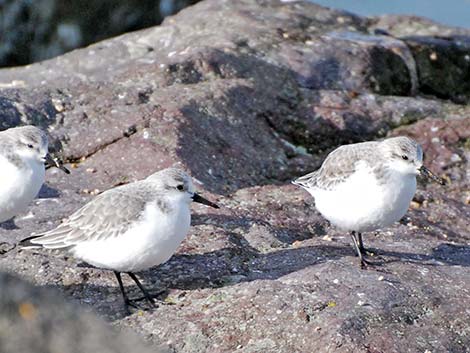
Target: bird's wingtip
[305,181]
[26,243]
[295,182]
[301,181]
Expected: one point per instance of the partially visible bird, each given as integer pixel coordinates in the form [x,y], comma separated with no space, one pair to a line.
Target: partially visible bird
[367,186]
[129,228]
[23,154]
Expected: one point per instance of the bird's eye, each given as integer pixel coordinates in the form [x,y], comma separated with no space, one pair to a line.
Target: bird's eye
[180,187]
[30,145]
[405,157]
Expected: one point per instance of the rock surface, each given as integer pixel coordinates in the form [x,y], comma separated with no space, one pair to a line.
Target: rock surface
[246,95]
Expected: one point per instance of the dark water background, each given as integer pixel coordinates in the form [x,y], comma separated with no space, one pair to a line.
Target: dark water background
[449,12]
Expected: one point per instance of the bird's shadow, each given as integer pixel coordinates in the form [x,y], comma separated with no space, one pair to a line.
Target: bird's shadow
[243,263]
[47,192]
[9,225]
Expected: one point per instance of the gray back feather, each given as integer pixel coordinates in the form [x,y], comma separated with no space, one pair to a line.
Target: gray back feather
[340,164]
[108,215]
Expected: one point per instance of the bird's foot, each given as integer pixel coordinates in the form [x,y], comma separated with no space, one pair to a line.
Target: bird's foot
[138,304]
[368,252]
[365,263]
[154,297]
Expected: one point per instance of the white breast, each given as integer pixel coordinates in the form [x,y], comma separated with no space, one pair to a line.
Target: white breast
[361,203]
[150,242]
[18,187]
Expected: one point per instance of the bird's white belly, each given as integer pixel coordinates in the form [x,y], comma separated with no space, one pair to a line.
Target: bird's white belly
[363,204]
[152,241]
[18,187]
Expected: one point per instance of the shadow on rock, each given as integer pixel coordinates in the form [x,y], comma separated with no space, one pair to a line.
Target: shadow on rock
[9,225]
[442,255]
[453,254]
[47,192]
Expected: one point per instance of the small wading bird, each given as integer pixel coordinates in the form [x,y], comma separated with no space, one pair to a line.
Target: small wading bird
[23,155]
[129,228]
[367,186]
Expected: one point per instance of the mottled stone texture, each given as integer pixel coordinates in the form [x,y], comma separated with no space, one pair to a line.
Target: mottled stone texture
[246,95]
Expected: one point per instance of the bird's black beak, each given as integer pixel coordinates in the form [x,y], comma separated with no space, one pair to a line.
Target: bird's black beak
[54,163]
[430,175]
[200,199]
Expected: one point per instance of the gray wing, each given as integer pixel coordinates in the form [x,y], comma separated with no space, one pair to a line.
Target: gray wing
[108,215]
[339,165]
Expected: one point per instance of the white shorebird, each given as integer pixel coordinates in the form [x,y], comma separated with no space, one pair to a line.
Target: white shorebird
[129,228]
[23,154]
[367,186]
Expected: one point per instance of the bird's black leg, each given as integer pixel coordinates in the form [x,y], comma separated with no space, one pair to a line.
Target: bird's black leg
[355,243]
[127,302]
[364,251]
[360,243]
[357,247]
[141,287]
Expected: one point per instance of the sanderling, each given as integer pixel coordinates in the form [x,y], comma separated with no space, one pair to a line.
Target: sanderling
[129,228]
[23,154]
[367,186]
